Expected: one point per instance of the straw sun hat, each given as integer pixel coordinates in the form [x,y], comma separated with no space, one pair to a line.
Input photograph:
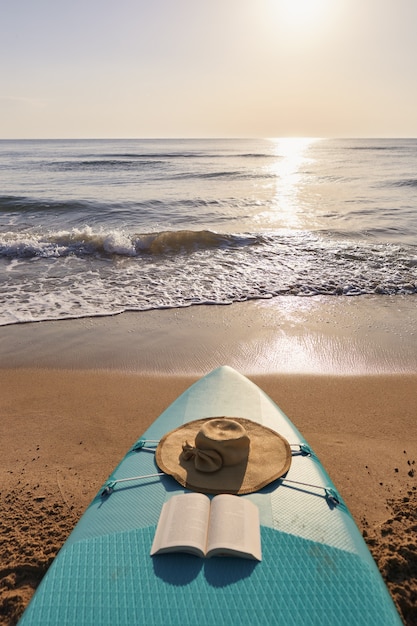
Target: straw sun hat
[223,455]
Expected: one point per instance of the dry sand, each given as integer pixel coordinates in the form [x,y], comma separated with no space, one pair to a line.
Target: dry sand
[76,394]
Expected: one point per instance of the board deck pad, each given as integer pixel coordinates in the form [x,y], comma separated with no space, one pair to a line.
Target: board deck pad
[315,569]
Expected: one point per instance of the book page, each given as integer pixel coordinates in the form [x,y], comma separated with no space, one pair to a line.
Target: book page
[234,527]
[183,523]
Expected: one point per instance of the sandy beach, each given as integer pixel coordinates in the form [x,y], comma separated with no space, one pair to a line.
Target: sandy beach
[75,394]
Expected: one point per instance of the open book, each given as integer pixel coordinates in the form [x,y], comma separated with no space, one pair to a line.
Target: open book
[227,525]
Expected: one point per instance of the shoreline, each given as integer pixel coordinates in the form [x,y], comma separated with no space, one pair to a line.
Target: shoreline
[76,394]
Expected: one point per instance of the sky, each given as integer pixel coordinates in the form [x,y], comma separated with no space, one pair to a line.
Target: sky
[208,68]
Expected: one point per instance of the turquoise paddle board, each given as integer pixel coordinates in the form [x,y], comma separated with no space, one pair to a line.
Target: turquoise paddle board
[315,568]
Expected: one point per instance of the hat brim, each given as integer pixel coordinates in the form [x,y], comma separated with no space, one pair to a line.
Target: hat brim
[269,458]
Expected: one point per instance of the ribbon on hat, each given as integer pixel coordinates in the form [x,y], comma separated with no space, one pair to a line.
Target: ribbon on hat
[204,460]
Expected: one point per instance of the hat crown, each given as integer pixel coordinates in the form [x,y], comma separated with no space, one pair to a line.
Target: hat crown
[226,437]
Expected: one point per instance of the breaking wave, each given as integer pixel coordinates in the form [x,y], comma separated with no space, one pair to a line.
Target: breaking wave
[87,242]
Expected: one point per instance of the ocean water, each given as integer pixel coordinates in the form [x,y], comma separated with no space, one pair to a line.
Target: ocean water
[98,227]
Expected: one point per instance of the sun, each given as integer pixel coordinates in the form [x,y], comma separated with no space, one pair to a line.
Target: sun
[304,18]
[300,12]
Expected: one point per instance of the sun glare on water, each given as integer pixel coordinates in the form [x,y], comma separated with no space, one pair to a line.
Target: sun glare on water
[291,157]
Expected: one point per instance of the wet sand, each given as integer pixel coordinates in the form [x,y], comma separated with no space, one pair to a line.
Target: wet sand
[371,334]
[76,394]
